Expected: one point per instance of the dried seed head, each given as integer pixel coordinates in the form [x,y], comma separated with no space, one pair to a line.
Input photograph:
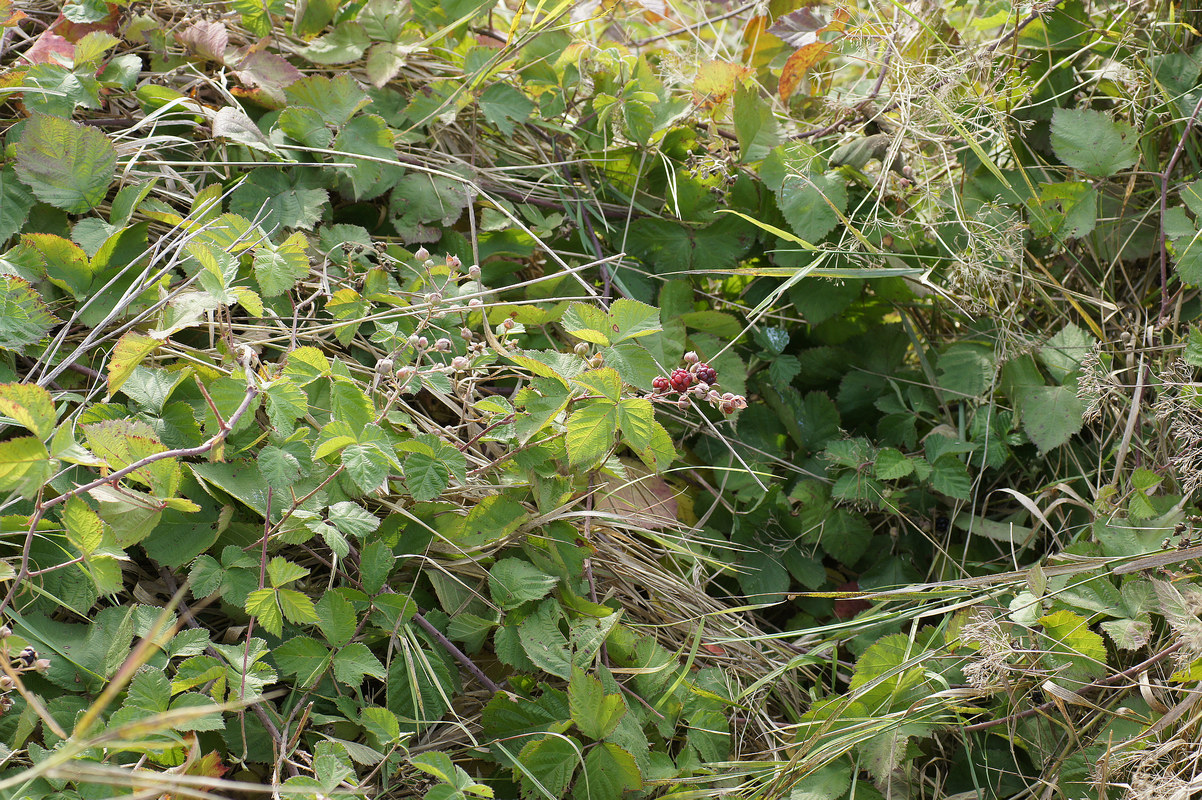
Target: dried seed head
[474,303]
[508,324]
[422,343]
[691,357]
[453,262]
[442,345]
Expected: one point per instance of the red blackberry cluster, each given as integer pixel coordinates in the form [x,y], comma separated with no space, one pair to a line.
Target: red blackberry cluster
[698,379]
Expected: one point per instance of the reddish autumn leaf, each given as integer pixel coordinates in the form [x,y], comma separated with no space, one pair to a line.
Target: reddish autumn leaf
[206,39]
[714,649]
[50,48]
[800,27]
[56,44]
[266,75]
[846,608]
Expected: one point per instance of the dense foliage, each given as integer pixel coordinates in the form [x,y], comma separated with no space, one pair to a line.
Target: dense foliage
[485,399]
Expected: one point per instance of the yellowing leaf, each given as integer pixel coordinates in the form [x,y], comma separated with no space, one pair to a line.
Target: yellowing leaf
[84,528]
[604,381]
[24,466]
[716,81]
[29,405]
[590,433]
[131,348]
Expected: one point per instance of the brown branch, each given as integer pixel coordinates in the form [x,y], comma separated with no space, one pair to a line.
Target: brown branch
[460,656]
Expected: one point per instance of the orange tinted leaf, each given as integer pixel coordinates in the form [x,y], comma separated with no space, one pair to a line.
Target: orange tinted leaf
[9,15]
[797,65]
[717,80]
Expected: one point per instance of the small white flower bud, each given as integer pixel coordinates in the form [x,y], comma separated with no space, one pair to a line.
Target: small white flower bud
[474,272]
[459,363]
[422,343]
[691,357]
[422,254]
[442,345]
[474,303]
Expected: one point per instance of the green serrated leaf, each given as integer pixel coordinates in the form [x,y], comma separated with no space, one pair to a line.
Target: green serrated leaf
[354,661]
[297,608]
[595,713]
[426,477]
[366,465]
[1051,415]
[512,581]
[336,618]
[261,604]
[605,382]
[304,657]
[30,406]
[281,571]
[542,641]
[24,317]
[277,269]
[1092,141]
[609,772]
[375,562]
[590,432]
[547,766]
[67,165]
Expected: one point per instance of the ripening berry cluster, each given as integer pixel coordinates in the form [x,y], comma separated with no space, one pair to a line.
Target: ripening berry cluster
[698,379]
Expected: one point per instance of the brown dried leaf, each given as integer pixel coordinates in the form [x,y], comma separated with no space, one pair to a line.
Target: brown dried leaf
[643,501]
